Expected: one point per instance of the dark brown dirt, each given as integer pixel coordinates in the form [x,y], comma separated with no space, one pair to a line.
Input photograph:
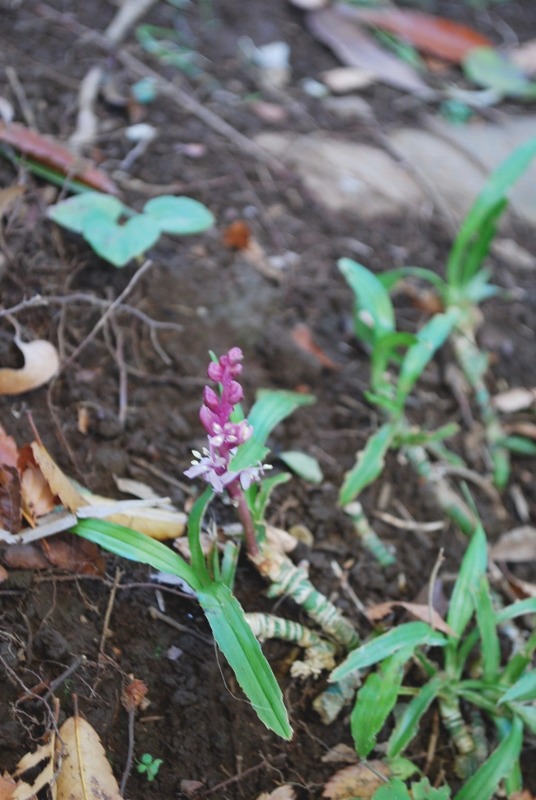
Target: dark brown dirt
[197,721]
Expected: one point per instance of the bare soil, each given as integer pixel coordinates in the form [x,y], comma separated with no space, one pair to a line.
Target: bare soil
[197,721]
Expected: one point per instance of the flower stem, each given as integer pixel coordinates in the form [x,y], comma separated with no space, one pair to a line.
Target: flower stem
[246,519]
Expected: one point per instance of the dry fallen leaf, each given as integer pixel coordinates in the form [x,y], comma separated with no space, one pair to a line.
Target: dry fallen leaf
[356,781]
[284,792]
[85,772]
[526,429]
[9,452]
[237,235]
[347,79]
[41,363]
[518,544]
[37,499]
[8,197]
[74,555]
[516,399]
[44,753]
[7,787]
[340,754]
[58,482]
[25,556]
[419,610]
[302,336]
[10,499]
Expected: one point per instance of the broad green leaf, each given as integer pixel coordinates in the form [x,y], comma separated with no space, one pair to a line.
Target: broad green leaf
[239,646]
[489,640]
[430,338]
[484,782]
[407,636]
[375,701]
[472,569]
[484,212]
[423,790]
[303,465]
[179,215]
[369,464]
[408,724]
[136,546]
[374,315]
[395,789]
[73,212]
[271,408]
[523,689]
[490,69]
[118,244]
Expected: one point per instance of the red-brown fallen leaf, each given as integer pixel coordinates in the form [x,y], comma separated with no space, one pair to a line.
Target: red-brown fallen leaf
[54,154]
[9,451]
[418,610]
[303,337]
[10,499]
[25,556]
[7,786]
[359,780]
[74,555]
[134,695]
[435,35]
[237,235]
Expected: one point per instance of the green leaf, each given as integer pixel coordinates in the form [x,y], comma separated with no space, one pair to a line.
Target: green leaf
[369,464]
[118,244]
[303,465]
[263,493]
[484,782]
[472,569]
[271,408]
[391,277]
[485,616]
[239,646]
[424,791]
[519,444]
[395,789]
[73,212]
[430,338]
[195,520]
[179,215]
[490,69]
[136,546]
[484,213]
[375,701]
[408,724]
[527,713]
[374,315]
[523,689]
[407,636]
[518,609]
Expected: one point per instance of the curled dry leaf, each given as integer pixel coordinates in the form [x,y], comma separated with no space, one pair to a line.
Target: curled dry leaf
[518,544]
[41,363]
[420,611]
[356,781]
[85,772]
[37,499]
[59,483]
[54,154]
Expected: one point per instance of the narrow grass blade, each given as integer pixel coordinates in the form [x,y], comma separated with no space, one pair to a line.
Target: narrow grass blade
[408,724]
[369,464]
[136,546]
[374,315]
[375,701]
[484,782]
[472,569]
[194,534]
[485,617]
[407,636]
[239,646]
[518,609]
[523,689]
[430,338]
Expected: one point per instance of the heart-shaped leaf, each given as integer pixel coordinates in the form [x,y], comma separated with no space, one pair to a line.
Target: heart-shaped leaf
[74,212]
[118,244]
[179,215]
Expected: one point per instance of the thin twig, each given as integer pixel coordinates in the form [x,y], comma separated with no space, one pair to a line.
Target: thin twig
[157,614]
[65,675]
[409,524]
[130,751]
[109,609]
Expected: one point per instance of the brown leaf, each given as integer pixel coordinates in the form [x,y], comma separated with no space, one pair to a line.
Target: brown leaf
[340,754]
[7,787]
[9,451]
[10,499]
[85,772]
[355,48]
[518,544]
[41,362]
[8,197]
[434,35]
[60,485]
[134,695]
[526,429]
[54,154]
[418,610]
[237,235]
[74,555]
[25,556]
[37,499]
[357,780]
[302,336]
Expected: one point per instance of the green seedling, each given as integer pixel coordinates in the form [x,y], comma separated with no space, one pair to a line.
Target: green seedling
[466,285]
[118,234]
[149,766]
[397,361]
[464,668]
